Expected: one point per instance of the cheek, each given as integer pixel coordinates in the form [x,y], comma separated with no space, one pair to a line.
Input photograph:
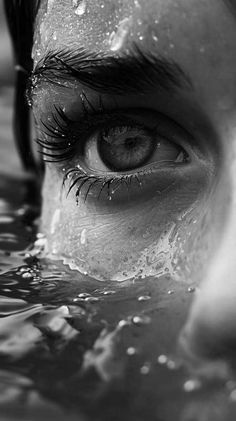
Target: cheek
[147,238]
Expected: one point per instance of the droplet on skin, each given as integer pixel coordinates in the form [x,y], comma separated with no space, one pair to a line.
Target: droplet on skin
[191,290]
[83,236]
[170,292]
[117,38]
[80,7]
[55,220]
[155,38]
[122,323]
[84,295]
[50,5]
[141,320]
[136,3]
[144,298]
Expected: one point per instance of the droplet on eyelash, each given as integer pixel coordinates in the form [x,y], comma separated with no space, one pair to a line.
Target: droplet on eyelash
[117,38]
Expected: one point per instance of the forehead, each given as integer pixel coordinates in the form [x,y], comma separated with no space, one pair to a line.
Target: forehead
[115,24]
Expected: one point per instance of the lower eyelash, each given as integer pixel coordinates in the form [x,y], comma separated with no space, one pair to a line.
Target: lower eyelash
[81,181]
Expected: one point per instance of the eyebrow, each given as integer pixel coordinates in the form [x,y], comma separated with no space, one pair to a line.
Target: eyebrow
[134,73]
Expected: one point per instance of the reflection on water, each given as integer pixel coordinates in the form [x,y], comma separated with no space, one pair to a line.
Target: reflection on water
[77,349]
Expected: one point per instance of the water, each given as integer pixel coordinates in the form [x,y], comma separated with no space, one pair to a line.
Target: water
[72,348]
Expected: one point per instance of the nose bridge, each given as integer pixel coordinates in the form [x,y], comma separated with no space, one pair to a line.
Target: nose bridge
[211,326]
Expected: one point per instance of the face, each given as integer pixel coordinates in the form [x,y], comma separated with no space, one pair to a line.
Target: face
[135,111]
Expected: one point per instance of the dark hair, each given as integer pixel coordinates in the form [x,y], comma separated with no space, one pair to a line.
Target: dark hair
[21,16]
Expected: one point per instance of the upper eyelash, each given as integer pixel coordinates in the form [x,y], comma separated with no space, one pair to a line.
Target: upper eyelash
[60,129]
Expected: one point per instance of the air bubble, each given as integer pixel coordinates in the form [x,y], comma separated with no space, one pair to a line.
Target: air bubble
[192,385]
[131,351]
[145,369]
[233,395]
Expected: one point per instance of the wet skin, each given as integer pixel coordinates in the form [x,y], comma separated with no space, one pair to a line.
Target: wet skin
[175,216]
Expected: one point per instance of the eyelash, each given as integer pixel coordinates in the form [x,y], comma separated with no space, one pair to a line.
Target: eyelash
[63,149]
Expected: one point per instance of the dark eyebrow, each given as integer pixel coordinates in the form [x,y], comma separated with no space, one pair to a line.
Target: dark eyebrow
[134,73]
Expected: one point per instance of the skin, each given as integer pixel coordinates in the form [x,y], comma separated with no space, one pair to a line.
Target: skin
[182,221]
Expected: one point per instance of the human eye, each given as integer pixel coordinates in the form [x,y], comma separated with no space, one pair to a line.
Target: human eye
[114,155]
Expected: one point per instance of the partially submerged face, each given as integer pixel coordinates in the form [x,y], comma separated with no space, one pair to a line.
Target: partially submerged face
[135,106]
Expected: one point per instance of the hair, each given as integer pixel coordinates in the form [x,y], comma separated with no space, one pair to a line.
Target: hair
[21,16]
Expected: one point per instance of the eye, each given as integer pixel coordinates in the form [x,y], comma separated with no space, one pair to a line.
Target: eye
[126,148]
[123,155]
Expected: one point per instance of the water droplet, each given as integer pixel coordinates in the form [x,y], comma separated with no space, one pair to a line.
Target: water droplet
[141,320]
[6,219]
[84,295]
[50,5]
[117,38]
[141,38]
[171,292]
[232,395]
[27,275]
[83,236]
[131,351]
[109,292]
[155,38]
[192,385]
[80,7]
[91,299]
[123,323]
[145,369]
[144,298]
[171,365]
[55,221]
[191,290]
[136,3]
[162,359]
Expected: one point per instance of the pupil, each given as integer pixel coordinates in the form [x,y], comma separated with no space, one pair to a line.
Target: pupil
[131,142]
